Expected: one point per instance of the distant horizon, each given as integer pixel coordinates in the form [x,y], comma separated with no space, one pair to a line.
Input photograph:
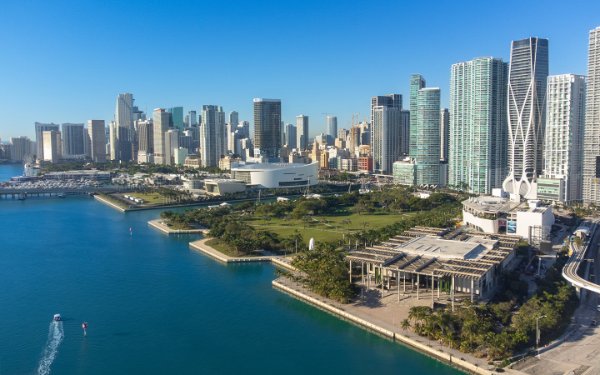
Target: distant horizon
[318,58]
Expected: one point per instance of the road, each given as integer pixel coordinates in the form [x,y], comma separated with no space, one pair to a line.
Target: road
[580,351]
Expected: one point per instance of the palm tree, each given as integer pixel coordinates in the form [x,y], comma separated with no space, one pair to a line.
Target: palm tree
[405,324]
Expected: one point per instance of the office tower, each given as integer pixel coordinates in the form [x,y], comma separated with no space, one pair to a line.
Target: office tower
[565,120]
[171,143]
[123,132]
[191,119]
[386,123]
[331,128]
[425,135]
[160,124]
[137,114]
[21,149]
[267,127]
[527,76]
[290,136]
[444,134]
[404,133]
[417,82]
[51,145]
[478,127]
[212,135]
[234,119]
[39,129]
[591,144]
[176,120]
[73,141]
[353,139]
[302,132]
[145,131]
[97,134]
[243,129]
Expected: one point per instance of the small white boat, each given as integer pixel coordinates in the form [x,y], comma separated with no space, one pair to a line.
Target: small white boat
[57,318]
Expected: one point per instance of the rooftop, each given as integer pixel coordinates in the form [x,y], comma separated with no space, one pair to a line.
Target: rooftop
[269,166]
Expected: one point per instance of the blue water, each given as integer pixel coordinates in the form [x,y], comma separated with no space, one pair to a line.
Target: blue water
[156,307]
[10,170]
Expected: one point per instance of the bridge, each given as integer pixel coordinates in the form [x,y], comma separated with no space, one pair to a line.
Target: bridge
[572,266]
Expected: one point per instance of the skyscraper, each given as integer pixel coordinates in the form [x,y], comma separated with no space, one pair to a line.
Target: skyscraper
[417,82]
[73,141]
[97,135]
[234,119]
[591,144]
[444,134]
[212,135]
[192,118]
[176,117]
[527,76]
[302,132]
[267,127]
[39,129]
[425,133]
[171,143]
[124,111]
[331,128]
[160,124]
[386,131]
[404,133]
[564,139]
[478,127]
[122,142]
[51,145]
[21,149]
[290,136]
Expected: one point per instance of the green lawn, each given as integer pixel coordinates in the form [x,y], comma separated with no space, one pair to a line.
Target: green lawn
[149,198]
[327,228]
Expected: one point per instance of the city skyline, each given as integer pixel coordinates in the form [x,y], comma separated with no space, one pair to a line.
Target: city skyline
[65,87]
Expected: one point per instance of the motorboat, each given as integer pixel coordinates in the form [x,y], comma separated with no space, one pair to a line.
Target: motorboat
[57,318]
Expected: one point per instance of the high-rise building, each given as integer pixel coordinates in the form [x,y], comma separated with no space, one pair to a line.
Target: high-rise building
[123,141]
[160,124]
[212,135]
[234,119]
[176,117]
[170,144]
[39,129]
[386,131]
[591,144]
[302,132]
[404,133]
[97,135]
[331,128]
[290,136]
[73,141]
[417,82]
[353,139]
[444,134]
[526,103]
[478,128]
[51,145]
[565,120]
[425,133]
[267,127]
[192,119]
[21,149]
[145,136]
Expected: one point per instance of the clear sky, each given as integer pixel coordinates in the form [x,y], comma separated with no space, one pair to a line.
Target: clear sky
[66,61]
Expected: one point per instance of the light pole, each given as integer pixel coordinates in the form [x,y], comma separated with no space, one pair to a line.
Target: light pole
[537,333]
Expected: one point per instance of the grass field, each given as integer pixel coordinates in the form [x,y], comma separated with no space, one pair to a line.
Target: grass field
[326,228]
[150,198]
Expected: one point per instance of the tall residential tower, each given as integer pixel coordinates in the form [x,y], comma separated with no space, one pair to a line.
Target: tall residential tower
[591,144]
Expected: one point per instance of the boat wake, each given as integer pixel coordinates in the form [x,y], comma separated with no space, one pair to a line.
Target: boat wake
[55,337]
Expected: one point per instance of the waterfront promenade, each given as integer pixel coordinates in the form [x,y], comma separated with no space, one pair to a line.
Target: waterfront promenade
[383,316]
[164,228]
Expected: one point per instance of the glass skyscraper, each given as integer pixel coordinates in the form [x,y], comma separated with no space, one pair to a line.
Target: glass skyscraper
[267,127]
[478,128]
[526,105]
[591,145]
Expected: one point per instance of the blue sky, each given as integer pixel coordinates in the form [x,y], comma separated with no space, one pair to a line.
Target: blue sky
[66,61]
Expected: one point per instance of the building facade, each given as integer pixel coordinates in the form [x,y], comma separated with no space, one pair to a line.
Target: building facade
[478,127]
[267,128]
[425,137]
[39,140]
[386,131]
[591,144]
[212,135]
[73,141]
[302,132]
[527,76]
[160,124]
[565,120]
